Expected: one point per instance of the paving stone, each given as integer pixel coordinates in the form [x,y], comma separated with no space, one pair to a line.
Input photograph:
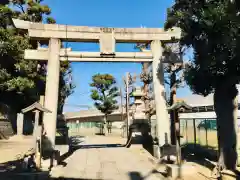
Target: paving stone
[103,163]
[91,175]
[112,176]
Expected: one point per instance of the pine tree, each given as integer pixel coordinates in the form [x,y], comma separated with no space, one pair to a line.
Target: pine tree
[104,94]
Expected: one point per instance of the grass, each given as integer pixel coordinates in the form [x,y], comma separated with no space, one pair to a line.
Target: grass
[203,137]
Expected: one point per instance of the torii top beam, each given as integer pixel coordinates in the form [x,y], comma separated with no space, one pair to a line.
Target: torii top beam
[95,34]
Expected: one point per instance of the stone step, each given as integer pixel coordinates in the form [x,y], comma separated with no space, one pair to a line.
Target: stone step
[185,170]
[27,176]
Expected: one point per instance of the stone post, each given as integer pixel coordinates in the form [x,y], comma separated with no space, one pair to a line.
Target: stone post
[41,100]
[20,124]
[36,123]
[51,92]
[162,118]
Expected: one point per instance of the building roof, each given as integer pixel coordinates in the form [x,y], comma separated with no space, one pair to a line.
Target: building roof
[198,100]
[202,107]
[35,106]
[201,115]
[88,113]
[179,105]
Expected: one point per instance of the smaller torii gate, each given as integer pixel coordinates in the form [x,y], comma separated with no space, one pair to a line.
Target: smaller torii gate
[107,37]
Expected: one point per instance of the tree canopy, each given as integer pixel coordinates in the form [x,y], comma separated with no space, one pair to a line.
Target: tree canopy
[211,29]
[66,84]
[23,81]
[104,93]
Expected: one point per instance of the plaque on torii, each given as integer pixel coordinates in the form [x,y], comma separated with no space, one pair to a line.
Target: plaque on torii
[107,42]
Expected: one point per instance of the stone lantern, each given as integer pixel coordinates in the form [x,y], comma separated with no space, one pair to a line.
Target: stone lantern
[139,127]
[139,107]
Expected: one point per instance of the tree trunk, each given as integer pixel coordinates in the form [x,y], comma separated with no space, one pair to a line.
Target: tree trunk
[226,106]
[145,91]
[105,125]
[173,114]
[60,108]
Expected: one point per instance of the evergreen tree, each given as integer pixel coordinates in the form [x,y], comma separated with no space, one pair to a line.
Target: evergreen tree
[23,81]
[104,94]
[211,29]
[146,78]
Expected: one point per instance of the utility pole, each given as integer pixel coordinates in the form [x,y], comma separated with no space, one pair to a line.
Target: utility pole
[127,102]
[129,80]
[121,102]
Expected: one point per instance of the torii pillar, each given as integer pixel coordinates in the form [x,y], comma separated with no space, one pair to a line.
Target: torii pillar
[162,118]
[51,92]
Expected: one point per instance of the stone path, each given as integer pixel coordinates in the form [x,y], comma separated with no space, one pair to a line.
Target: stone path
[115,163]
[100,157]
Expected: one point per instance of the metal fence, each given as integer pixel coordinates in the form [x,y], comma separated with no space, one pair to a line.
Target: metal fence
[199,131]
[193,131]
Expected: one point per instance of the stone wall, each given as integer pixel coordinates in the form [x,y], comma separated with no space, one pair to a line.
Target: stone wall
[6,129]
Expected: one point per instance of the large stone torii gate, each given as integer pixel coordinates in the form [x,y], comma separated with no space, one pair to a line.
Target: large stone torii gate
[107,37]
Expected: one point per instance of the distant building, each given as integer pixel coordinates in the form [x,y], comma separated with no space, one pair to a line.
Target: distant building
[202,110]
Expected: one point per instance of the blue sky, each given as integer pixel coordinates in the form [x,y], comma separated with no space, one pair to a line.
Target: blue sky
[106,13]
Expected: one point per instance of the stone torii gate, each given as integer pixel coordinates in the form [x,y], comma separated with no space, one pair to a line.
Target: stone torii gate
[107,37]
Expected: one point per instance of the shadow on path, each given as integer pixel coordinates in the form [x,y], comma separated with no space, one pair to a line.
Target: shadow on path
[135,175]
[23,164]
[202,155]
[45,176]
[62,178]
[92,146]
